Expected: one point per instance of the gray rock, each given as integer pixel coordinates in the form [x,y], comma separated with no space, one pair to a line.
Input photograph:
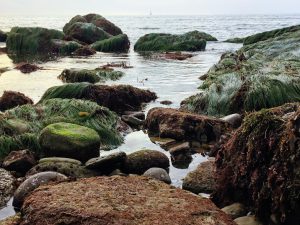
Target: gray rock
[235,120]
[7,186]
[159,174]
[132,121]
[60,159]
[248,220]
[19,161]
[34,182]
[235,210]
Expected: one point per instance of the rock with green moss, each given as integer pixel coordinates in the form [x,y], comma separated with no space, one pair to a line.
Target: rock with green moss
[139,162]
[63,47]
[235,40]
[191,41]
[90,76]
[260,75]
[70,140]
[3,36]
[119,43]
[98,21]
[86,32]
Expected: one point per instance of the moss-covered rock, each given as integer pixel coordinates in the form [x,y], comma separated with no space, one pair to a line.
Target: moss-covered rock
[91,76]
[259,165]
[70,141]
[119,43]
[235,40]
[260,75]
[3,36]
[139,162]
[63,47]
[191,41]
[84,51]
[98,21]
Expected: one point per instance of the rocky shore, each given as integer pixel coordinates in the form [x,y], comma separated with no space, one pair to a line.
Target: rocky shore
[245,121]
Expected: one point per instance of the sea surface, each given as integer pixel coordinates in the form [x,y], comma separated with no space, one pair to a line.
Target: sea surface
[171,80]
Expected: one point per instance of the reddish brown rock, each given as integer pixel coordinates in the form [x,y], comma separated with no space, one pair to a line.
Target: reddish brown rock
[178,125]
[119,200]
[177,56]
[19,161]
[11,99]
[27,67]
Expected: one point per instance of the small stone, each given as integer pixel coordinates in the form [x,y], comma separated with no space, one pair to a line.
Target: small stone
[132,121]
[235,210]
[27,67]
[182,148]
[248,220]
[159,174]
[166,102]
[19,161]
[235,120]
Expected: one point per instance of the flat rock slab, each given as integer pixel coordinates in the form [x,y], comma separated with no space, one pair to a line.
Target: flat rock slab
[119,200]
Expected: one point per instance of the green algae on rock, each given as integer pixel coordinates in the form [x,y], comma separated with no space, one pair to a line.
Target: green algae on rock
[119,43]
[3,36]
[259,165]
[191,41]
[260,75]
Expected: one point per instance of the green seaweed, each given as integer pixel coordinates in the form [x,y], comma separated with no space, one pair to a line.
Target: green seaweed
[119,43]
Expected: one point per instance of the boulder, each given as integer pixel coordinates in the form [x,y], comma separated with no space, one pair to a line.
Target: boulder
[248,220]
[3,36]
[191,41]
[132,121]
[60,159]
[32,183]
[235,120]
[139,162]
[13,220]
[7,187]
[158,174]
[181,155]
[27,67]
[11,99]
[69,140]
[98,21]
[84,51]
[235,210]
[119,200]
[86,32]
[201,180]
[259,165]
[240,82]
[178,125]
[119,43]
[19,161]
[107,164]
[118,98]
[64,47]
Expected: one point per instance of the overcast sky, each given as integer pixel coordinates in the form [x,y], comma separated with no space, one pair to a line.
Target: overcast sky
[142,7]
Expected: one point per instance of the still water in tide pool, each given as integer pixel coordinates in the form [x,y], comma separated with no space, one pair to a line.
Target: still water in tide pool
[171,80]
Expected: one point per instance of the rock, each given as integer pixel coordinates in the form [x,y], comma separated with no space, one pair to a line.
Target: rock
[91,76]
[69,169]
[19,161]
[119,200]
[235,120]
[181,148]
[13,220]
[11,99]
[201,180]
[248,220]
[140,161]
[191,41]
[235,210]
[166,102]
[63,47]
[3,36]
[158,174]
[171,123]
[107,164]
[7,187]
[165,143]
[139,115]
[181,155]
[86,32]
[132,121]
[119,43]
[84,51]
[235,40]
[118,98]
[15,127]
[98,21]
[70,140]
[32,40]
[34,182]
[59,159]
[233,85]
[177,56]
[259,156]
[117,172]
[27,67]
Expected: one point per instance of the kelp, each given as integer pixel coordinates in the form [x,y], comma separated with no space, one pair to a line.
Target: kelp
[119,43]
[35,118]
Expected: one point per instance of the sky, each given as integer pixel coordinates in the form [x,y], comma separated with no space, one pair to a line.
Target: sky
[143,7]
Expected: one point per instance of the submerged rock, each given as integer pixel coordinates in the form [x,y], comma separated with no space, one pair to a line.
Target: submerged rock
[118,98]
[119,43]
[139,162]
[27,67]
[119,200]
[172,123]
[7,187]
[69,140]
[11,99]
[191,41]
[32,183]
[158,174]
[259,165]
[3,36]
[260,75]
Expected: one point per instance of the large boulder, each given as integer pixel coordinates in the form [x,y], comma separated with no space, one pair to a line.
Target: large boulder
[191,41]
[7,187]
[98,21]
[119,43]
[118,98]
[119,200]
[260,165]
[70,141]
[261,75]
[86,32]
[172,123]
[11,99]
[3,36]
[139,162]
